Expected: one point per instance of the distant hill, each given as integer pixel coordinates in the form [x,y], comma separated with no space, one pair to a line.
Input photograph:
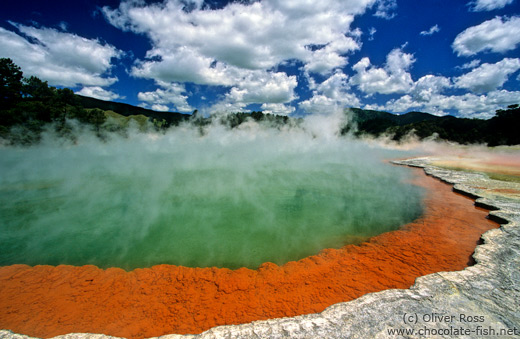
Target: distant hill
[502,129]
[363,115]
[29,106]
[499,130]
[174,118]
[116,121]
[171,118]
[378,122]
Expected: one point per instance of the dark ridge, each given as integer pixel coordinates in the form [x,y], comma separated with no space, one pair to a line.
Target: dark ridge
[171,118]
[362,115]
[501,129]
[30,103]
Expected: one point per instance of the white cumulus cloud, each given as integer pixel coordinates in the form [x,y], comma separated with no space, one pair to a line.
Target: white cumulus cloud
[331,95]
[204,45]
[258,87]
[240,45]
[467,105]
[470,65]
[264,87]
[386,9]
[427,93]
[488,77]
[160,108]
[371,32]
[392,78]
[428,86]
[278,109]
[496,35]
[431,31]
[98,93]
[169,93]
[488,5]
[330,57]
[61,58]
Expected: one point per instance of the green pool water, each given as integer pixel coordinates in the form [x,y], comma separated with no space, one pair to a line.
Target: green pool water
[195,201]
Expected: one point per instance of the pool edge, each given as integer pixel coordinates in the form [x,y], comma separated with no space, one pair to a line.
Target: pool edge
[486,291]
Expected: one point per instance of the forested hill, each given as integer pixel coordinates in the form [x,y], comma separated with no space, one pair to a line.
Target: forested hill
[171,118]
[502,129]
[29,105]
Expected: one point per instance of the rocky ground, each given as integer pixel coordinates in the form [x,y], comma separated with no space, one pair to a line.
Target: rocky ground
[481,300]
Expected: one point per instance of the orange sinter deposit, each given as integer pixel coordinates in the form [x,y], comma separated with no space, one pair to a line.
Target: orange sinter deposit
[46,301]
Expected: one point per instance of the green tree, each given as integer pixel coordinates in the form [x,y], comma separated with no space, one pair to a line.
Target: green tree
[10,83]
[95,117]
[37,89]
[503,127]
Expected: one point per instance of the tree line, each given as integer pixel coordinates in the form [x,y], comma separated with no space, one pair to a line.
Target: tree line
[28,105]
[501,129]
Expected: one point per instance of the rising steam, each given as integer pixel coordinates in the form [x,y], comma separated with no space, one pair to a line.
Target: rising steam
[217,197]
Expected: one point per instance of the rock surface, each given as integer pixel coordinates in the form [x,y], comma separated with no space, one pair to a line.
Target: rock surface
[466,303]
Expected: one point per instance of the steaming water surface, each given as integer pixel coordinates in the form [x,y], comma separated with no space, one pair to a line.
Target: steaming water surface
[226,199]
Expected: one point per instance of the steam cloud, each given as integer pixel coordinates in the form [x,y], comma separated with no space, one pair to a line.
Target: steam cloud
[224,197]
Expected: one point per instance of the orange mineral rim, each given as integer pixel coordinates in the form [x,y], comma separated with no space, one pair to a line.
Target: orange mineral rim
[45,301]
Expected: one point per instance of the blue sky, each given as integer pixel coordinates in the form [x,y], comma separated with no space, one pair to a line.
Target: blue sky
[293,57]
